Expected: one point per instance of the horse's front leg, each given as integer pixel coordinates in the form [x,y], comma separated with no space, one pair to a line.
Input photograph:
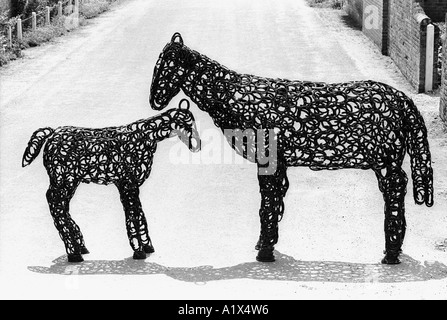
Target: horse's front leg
[58,198]
[136,224]
[273,189]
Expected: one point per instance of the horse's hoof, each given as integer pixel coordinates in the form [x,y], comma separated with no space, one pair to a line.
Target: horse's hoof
[265,255]
[139,255]
[148,248]
[390,260]
[259,244]
[84,250]
[75,257]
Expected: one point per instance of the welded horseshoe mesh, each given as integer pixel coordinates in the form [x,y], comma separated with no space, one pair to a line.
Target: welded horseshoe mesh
[363,124]
[115,155]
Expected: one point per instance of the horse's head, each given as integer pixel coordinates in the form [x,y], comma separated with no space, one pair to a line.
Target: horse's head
[169,73]
[184,126]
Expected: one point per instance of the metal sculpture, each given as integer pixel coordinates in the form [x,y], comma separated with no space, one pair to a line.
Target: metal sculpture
[363,124]
[122,156]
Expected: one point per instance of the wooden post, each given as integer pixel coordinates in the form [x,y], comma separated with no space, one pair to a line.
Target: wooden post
[76,13]
[34,20]
[10,36]
[429,58]
[19,30]
[76,7]
[47,15]
[59,9]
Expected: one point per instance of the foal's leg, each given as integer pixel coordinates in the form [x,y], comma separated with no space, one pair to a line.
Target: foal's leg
[58,198]
[394,187]
[136,224]
[77,231]
[273,189]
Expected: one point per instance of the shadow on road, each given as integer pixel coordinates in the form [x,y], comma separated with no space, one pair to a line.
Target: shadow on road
[285,268]
[349,22]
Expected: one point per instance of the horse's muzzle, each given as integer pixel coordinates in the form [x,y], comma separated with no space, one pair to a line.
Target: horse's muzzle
[155,105]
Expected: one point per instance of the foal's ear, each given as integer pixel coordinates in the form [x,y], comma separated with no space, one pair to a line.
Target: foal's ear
[182,102]
[177,37]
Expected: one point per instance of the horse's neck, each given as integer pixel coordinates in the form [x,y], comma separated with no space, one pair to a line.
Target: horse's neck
[160,128]
[205,83]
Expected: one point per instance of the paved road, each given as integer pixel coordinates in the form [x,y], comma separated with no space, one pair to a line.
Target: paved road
[202,215]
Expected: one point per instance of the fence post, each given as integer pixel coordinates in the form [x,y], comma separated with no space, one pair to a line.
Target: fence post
[10,36]
[76,8]
[34,21]
[76,13]
[47,15]
[19,30]
[59,8]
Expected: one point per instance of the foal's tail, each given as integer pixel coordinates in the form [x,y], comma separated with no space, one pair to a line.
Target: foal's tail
[420,157]
[35,144]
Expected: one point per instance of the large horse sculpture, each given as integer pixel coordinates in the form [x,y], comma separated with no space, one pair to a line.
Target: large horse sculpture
[363,124]
[122,156]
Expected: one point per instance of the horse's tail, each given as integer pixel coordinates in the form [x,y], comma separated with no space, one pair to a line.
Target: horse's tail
[36,143]
[420,157]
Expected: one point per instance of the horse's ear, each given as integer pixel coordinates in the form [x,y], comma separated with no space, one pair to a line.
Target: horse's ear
[177,37]
[182,102]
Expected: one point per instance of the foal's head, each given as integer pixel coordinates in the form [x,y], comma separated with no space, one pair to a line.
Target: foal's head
[183,125]
[169,73]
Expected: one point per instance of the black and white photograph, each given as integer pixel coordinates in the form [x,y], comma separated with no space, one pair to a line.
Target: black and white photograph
[223,151]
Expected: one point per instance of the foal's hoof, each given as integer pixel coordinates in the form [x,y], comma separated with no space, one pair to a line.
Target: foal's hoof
[84,250]
[390,260]
[75,257]
[139,255]
[265,255]
[148,248]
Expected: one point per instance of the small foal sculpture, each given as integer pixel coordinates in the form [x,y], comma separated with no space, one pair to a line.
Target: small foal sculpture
[363,125]
[119,155]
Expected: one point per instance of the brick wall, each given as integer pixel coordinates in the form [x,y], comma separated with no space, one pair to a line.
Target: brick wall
[354,8]
[375,22]
[399,29]
[407,40]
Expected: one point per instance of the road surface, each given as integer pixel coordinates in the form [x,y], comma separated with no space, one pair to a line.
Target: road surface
[202,210]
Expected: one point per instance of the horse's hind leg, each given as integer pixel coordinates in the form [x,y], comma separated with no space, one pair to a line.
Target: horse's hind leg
[273,189]
[136,224]
[58,198]
[394,187]
[147,243]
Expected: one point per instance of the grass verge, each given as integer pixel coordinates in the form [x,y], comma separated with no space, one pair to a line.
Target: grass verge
[45,33]
[333,4]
